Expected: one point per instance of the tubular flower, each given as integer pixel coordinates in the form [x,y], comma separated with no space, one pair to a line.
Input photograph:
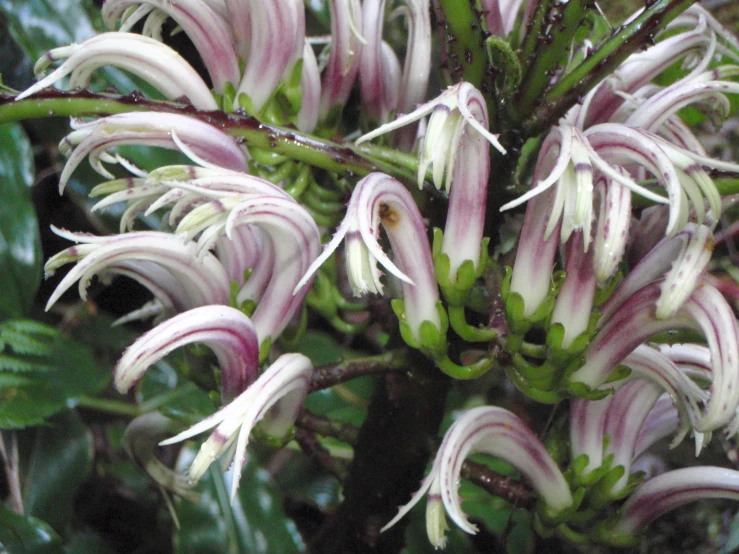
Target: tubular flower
[385,88]
[276,43]
[170,131]
[379,68]
[294,237]
[625,416]
[572,158]
[532,269]
[276,396]
[343,62]
[493,431]
[141,440]
[459,157]
[635,321]
[156,63]
[457,106]
[182,281]
[695,45]
[575,297]
[179,188]
[226,331]
[666,492]
[501,15]
[612,227]
[207,29]
[379,199]
[681,261]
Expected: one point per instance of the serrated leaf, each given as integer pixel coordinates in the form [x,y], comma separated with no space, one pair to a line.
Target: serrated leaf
[70,372]
[20,245]
[14,362]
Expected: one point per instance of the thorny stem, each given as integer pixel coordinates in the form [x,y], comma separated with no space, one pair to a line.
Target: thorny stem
[345,159]
[565,93]
[12,471]
[329,375]
[514,492]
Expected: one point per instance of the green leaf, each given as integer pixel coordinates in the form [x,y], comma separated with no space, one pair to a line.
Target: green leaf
[87,542]
[26,535]
[59,462]
[320,347]
[66,371]
[20,246]
[256,522]
[521,539]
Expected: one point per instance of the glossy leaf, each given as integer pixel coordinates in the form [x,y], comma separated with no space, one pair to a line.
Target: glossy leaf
[256,523]
[26,535]
[59,462]
[20,247]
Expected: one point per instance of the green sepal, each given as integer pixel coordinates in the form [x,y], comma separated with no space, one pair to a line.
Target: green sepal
[546,372]
[228,97]
[505,285]
[265,156]
[601,494]
[514,307]
[604,293]
[264,349]
[578,478]
[467,331]
[331,122]
[405,330]
[300,183]
[618,373]
[464,372]
[555,336]
[550,518]
[246,104]
[581,390]
[293,91]
[456,288]
[523,385]
[572,536]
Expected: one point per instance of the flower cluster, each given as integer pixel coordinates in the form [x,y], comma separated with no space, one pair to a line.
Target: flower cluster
[234,244]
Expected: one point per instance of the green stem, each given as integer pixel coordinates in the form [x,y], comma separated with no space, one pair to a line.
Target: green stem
[551,49]
[113,407]
[601,63]
[164,398]
[465,41]
[345,159]
[465,330]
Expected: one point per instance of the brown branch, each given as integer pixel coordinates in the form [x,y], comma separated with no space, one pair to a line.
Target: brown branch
[345,432]
[514,492]
[314,449]
[332,374]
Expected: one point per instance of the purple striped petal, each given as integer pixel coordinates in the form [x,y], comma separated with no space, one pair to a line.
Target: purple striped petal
[208,31]
[226,331]
[154,62]
[277,394]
